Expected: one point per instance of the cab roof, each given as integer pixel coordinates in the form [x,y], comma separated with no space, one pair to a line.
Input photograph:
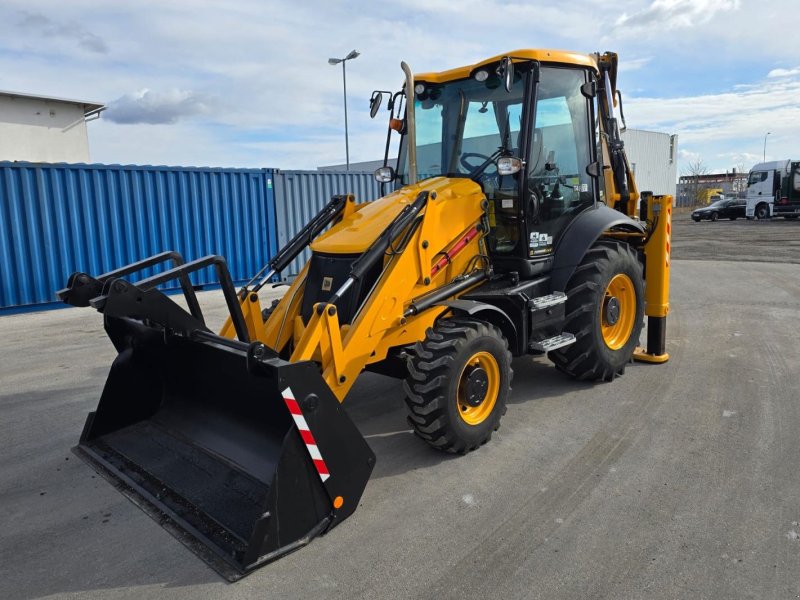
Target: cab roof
[551,56]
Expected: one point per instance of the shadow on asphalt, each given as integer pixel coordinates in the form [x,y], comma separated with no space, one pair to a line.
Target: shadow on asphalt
[377,407]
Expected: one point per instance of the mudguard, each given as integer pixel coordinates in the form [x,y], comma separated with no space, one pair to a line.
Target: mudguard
[581,234]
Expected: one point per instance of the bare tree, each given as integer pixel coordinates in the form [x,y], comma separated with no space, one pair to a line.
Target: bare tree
[692,175]
[740,179]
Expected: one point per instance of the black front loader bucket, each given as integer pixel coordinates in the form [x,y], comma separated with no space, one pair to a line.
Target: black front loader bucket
[244,457]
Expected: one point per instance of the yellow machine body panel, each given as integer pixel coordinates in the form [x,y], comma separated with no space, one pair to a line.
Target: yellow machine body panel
[552,56]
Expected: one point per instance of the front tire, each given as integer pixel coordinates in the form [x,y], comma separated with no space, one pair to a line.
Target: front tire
[714,216]
[762,211]
[458,383]
[605,312]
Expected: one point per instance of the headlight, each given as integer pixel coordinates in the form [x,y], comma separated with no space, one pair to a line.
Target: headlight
[481,75]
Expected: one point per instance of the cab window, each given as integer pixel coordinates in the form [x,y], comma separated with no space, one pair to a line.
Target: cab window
[558,185]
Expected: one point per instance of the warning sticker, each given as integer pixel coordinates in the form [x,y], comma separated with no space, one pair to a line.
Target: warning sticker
[540,243]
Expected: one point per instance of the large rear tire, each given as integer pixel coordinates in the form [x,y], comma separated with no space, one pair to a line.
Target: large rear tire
[458,383]
[605,312]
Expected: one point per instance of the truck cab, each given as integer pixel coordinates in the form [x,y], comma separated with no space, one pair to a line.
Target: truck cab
[773,189]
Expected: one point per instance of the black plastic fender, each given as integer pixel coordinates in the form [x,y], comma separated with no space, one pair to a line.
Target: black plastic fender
[581,234]
[488,313]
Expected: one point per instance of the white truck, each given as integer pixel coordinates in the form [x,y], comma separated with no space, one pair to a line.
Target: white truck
[773,190]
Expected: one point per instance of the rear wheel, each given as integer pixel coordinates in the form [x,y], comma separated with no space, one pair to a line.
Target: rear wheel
[458,384]
[605,312]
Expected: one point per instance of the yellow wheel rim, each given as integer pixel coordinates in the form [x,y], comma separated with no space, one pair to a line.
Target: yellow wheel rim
[618,311]
[478,387]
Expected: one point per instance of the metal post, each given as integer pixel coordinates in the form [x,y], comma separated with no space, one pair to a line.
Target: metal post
[346,138]
[765,140]
[335,61]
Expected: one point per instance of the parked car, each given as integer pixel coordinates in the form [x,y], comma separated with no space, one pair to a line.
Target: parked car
[721,209]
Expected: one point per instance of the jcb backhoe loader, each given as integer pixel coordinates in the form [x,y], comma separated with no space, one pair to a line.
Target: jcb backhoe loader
[514,227]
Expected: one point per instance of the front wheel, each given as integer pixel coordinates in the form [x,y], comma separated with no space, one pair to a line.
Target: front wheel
[762,211]
[605,312]
[714,216]
[458,383]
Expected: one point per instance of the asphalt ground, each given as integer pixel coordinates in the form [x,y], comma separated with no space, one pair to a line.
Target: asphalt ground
[673,481]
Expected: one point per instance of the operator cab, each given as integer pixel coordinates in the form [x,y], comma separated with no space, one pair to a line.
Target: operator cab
[526,137]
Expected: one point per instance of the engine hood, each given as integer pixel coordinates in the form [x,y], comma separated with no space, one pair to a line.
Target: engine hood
[355,233]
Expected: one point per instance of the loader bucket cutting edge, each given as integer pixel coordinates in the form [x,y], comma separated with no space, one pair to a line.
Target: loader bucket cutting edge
[243,460]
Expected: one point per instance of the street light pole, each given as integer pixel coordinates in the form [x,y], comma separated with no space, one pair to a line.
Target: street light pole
[336,61]
[765,148]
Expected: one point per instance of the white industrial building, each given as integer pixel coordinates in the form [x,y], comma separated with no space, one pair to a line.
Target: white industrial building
[654,160]
[43,129]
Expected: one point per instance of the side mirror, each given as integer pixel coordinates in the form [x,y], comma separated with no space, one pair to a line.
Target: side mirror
[506,72]
[375,103]
[384,174]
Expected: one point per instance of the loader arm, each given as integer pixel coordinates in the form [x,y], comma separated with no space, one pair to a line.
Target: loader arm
[621,191]
[437,247]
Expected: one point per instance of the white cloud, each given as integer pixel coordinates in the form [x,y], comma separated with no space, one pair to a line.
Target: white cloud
[635,64]
[728,128]
[784,72]
[248,83]
[70,30]
[688,155]
[675,14]
[154,108]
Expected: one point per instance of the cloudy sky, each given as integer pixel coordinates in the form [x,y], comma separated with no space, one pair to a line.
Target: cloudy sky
[246,83]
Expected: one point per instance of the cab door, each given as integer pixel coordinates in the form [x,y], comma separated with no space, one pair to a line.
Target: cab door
[557,184]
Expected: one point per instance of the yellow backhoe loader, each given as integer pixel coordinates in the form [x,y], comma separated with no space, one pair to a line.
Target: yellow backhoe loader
[511,224]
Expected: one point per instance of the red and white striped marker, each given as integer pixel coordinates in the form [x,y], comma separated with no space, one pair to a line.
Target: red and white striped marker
[305,432]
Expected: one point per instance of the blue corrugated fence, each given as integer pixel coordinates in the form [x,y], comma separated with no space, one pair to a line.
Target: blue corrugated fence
[60,218]
[302,194]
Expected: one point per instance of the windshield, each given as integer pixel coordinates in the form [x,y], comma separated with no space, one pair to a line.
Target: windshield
[463,126]
[756,177]
[717,204]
